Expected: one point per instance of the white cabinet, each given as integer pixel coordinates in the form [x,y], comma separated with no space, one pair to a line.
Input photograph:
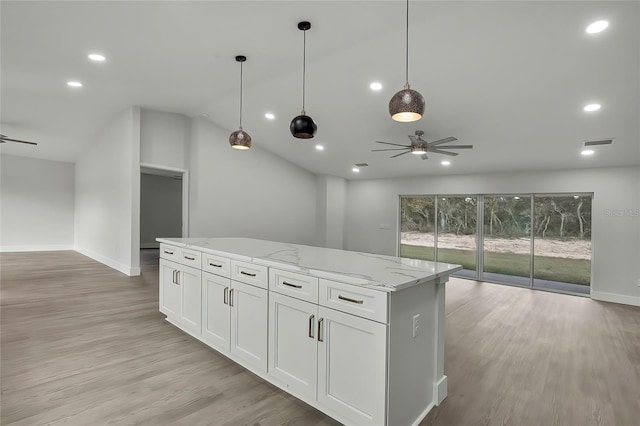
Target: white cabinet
[293,348]
[180,295]
[216,312]
[249,324]
[352,367]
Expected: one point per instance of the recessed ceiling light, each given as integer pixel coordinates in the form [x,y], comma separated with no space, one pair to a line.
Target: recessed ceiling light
[592,107]
[588,152]
[445,162]
[597,27]
[375,86]
[74,84]
[96,57]
[320,147]
[355,170]
[269,116]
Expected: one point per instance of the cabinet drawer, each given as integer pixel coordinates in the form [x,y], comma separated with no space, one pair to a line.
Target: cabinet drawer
[354,300]
[190,258]
[293,284]
[249,273]
[170,252]
[216,265]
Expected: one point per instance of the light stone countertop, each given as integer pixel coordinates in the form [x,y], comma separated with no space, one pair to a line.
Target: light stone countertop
[380,272]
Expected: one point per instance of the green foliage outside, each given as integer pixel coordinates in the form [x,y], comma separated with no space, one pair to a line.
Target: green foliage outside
[576,271]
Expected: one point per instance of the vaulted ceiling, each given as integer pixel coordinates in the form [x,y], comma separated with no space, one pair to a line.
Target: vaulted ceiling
[510,78]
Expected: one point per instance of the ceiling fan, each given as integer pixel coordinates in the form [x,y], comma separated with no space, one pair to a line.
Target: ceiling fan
[420,147]
[4,139]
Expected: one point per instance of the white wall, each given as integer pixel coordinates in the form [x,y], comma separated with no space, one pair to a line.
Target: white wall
[160,209]
[615,215]
[330,207]
[107,195]
[247,193]
[37,204]
[164,139]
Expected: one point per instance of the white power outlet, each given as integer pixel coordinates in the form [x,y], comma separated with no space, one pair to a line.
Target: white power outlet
[416,326]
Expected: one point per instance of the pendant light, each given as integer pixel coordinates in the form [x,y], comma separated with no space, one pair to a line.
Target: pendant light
[406,105]
[303,126]
[240,139]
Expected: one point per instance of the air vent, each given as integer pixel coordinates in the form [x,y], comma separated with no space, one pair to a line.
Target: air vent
[361,164]
[599,142]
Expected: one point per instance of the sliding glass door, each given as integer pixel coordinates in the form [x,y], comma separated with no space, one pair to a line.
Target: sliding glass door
[541,241]
[507,239]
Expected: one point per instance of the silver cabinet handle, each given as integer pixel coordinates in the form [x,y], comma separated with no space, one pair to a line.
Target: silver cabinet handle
[225,296]
[348,299]
[178,277]
[247,274]
[214,265]
[173,280]
[320,338]
[291,285]
[168,252]
[190,258]
[311,327]
[231,297]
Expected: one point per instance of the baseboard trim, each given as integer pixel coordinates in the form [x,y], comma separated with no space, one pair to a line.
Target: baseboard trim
[440,387]
[615,298]
[127,270]
[422,416]
[46,247]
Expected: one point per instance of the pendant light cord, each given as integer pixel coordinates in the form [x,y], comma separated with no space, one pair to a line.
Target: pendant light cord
[240,95]
[304,65]
[406,65]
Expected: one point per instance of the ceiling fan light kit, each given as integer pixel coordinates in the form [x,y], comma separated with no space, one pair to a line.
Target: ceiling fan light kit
[240,139]
[407,105]
[303,126]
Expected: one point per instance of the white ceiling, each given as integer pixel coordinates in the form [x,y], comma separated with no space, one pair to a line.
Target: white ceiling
[511,78]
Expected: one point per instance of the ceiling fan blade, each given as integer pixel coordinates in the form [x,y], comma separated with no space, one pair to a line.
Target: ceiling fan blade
[441,141]
[396,144]
[4,138]
[438,151]
[398,155]
[390,149]
[424,157]
[456,147]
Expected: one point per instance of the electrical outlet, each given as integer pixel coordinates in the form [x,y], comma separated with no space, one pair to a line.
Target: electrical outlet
[416,326]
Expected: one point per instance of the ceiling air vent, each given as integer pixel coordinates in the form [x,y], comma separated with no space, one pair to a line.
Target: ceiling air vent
[599,142]
[361,164]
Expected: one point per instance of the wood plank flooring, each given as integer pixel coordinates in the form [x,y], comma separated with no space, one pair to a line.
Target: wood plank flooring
[82,344]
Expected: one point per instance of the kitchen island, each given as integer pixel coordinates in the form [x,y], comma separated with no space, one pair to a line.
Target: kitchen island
[358,336]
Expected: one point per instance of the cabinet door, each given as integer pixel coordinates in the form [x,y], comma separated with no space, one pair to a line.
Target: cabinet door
[216,316]
[170,292]
[293,352]
[189,280]
[249,324]
[352,366]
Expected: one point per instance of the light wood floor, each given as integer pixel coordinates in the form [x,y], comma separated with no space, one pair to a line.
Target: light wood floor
[85,345]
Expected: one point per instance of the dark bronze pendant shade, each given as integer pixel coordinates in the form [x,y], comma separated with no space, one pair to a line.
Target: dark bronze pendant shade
[240,139]
[407,105]
[303,126]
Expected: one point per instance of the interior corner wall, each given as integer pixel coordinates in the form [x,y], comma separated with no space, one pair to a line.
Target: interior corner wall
[331,205]
[164,139]
[615,227]
[106,178]
[251,193]
[37,204]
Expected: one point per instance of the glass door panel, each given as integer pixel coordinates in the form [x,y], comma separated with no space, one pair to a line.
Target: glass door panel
[417,227]
[456,235]
[507,239]
[562,243]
